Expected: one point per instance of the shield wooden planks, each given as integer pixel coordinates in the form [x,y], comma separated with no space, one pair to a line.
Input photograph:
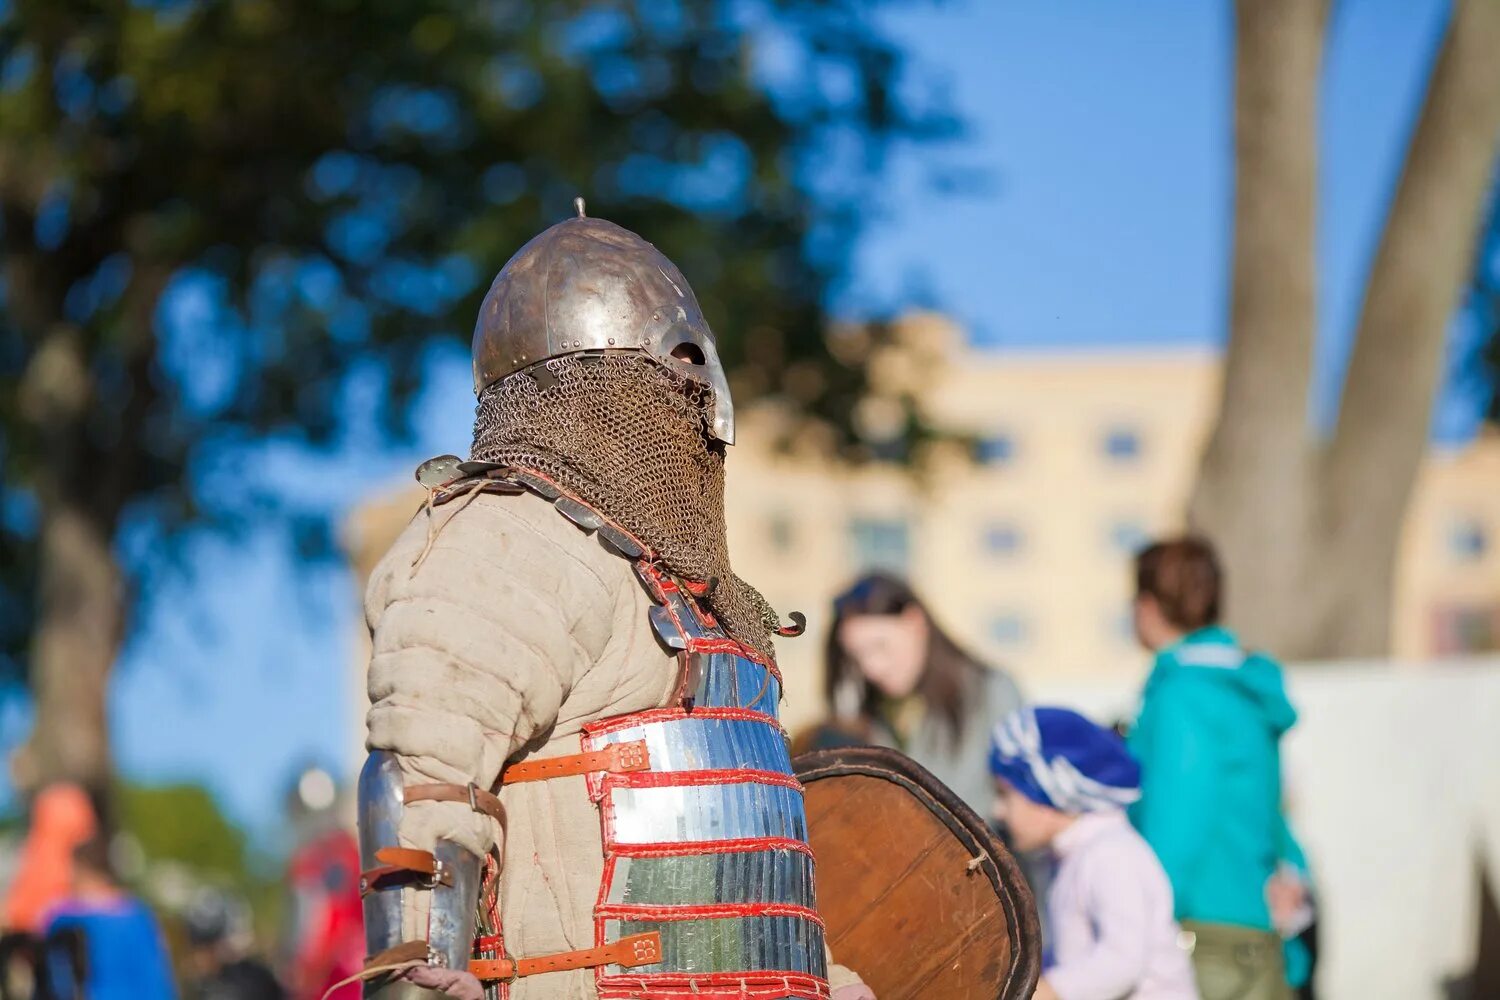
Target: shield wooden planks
[919,897]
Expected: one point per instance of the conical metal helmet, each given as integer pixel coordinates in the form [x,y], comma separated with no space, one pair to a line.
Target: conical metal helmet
[587,286]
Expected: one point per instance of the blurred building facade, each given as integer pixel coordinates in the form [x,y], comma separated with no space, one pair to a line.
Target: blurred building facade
[1021,531]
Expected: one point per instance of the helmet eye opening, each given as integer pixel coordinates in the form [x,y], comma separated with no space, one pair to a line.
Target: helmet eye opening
[689,353]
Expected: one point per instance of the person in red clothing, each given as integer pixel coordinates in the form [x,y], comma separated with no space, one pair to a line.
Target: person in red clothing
[326,921]
[325,934]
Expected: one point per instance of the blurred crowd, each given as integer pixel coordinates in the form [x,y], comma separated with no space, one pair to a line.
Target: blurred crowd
[73,930]
[1157,849]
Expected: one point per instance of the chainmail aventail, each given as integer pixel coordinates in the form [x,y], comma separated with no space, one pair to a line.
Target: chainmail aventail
[630,437]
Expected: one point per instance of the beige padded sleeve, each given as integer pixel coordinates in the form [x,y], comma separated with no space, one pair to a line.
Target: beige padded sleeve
[474,649]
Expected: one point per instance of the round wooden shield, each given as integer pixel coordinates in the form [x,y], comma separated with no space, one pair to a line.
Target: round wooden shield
[920,899]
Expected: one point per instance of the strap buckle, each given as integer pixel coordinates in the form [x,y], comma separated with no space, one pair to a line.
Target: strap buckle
[630,757]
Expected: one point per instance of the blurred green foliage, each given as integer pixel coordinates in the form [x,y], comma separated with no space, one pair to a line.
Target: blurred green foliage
[183,824]
[181,830]
[214,213]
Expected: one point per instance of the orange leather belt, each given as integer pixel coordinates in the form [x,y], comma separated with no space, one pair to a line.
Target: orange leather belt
[617,758]
[404,862]
[477,798]
[629,952]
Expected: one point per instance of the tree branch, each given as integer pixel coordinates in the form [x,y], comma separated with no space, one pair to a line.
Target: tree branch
[1425,258]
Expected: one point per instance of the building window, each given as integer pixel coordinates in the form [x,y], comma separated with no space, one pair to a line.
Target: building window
[1009,628]
[1122,444]
[880,543]
[1128,536]
[1458,629]
[1002,539]
[781,532]
[1467,540]
[995,449]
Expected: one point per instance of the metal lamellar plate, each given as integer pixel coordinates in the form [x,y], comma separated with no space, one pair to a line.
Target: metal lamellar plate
[771,876]
[723,680]
[707,812]
[711,841]
[437,471]
[703,742]
[715,680]
[727,681]
[737,808]
[749,944]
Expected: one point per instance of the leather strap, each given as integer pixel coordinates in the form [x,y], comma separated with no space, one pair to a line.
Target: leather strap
[628,952]
[408,859]
[403,861]
[617,758]
[475,797]
[406,951]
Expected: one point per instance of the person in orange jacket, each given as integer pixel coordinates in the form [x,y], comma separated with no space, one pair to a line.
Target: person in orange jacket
[62,819]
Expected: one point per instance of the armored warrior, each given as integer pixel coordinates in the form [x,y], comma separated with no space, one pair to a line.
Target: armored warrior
[577,784]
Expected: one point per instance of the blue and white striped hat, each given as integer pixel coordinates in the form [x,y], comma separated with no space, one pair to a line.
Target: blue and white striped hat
[1060,759]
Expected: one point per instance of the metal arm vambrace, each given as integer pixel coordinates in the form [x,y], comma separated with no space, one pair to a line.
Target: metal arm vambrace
[450,875]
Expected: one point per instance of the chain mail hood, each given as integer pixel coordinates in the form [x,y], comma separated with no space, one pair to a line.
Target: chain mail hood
[634,439]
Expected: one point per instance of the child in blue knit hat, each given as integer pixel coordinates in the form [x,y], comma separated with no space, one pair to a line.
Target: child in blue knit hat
[1063,783]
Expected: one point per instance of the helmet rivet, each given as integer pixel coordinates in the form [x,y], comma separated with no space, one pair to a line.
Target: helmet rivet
[611,340]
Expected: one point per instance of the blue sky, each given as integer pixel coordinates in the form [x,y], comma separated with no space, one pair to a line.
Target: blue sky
[1104,129]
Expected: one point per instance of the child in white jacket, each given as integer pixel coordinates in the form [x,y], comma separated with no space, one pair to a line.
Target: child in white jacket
[1063,783]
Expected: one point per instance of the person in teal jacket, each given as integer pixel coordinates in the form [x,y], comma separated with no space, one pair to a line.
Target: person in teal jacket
[1208,739]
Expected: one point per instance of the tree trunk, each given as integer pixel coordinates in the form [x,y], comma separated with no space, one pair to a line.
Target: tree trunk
[78,634]
[1252,496]
[1309,534]
[80,600]
[1397,365]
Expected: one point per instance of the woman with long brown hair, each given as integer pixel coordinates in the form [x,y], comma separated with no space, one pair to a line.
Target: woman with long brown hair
[895,676]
